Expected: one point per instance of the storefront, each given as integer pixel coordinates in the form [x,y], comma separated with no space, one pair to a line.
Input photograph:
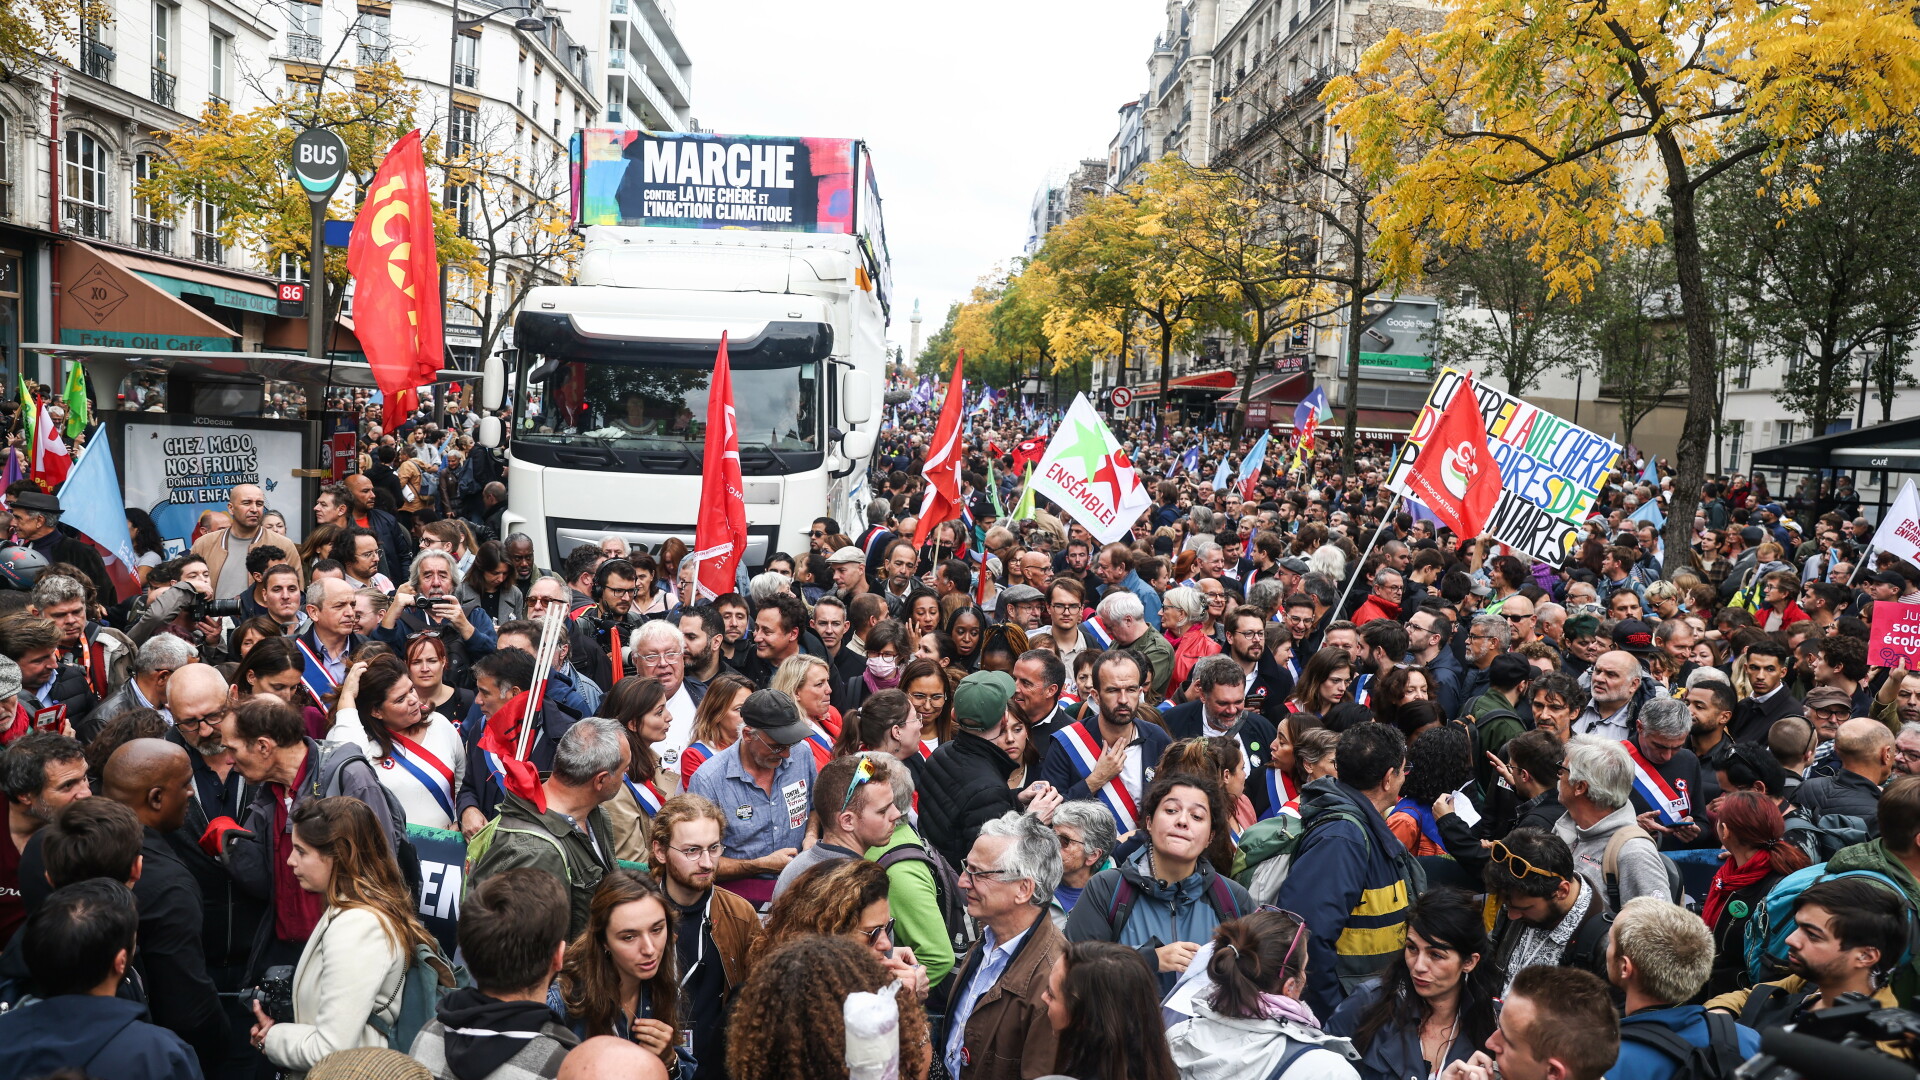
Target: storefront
[1192,399]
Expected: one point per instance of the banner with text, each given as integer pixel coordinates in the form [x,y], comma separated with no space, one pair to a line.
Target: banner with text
[1553,469]
[1896,635]
[762,183]
[174,471]
[1086,471]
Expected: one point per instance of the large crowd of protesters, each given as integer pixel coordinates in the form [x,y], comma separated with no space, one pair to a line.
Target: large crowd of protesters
[1287,784]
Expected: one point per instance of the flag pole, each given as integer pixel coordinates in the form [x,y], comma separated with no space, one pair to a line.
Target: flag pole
[1858,563]
[1385,516]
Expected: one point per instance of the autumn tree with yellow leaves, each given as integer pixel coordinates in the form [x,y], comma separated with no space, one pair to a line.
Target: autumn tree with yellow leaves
[1571,121]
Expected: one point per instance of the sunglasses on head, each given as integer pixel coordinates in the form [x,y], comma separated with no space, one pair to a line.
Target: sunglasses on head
[1516,865]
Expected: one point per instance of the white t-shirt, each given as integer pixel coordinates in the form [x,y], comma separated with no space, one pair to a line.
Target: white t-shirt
[441,739]
[679,733]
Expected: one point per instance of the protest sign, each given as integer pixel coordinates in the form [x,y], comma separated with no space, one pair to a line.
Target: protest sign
[443,869]
[1552,469]
[1086,470]
[1896,634]
[177,467]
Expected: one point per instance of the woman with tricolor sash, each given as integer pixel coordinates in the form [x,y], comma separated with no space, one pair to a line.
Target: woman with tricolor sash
[808,680]
[716,723]
[416,752]
[640,705]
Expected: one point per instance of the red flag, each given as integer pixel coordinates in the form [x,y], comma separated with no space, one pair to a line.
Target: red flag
[944,458]
[500,739]
[51,461]
[720,536]
[1455,474]
[396,279]
[1028,452]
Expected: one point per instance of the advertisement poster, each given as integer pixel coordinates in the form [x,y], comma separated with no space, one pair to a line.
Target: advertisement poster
[1398,333]
[763,183]
[1552,469]
[176,469]
[1896,635]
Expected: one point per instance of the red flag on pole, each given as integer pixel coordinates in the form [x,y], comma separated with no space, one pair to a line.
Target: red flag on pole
[51,462]
[500,741]
[1455,474]
[720,536]
[944,458]
[396,278]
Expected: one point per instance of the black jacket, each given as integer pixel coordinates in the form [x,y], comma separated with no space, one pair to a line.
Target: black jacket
[122,700]
[230,916]
[1254,731]
[396,545]
[1752,718]
[1845,792]
[58,547]
[171,957]
[966,787]
[70,688]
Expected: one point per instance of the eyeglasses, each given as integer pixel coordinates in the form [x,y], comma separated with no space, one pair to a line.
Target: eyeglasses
[1517,618]
[861,775]
[660,657]
[213,718]
[874,935]
[967,869]
[1516,865]
[817,533]
[927,699]
[693,854]
[628,591]
[1064,607]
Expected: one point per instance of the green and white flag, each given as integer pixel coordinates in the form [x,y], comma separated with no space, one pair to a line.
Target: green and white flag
[1086,471]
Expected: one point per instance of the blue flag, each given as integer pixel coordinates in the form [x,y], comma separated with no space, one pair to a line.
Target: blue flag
[1220,475]
[96,509]
[1651,474]
[1190,462]
[1256,458]
[1311,406]
[1649,513]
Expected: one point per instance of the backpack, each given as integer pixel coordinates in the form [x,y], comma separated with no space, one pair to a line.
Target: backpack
[427,979]
[1120,905]
[1406,863]
[1718,1060]
[325,780]
[1772,919]
[1823,838]
[946,889]
[1610,867]
[1267,848]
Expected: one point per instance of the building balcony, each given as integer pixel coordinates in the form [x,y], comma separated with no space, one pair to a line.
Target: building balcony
[96,60]
[153,235]
[616,59]
[163,85]
[81,219]
[466,75]
[208,248]
[303,46]
[375,54]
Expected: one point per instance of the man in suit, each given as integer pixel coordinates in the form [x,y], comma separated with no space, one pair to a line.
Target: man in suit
[1220,709]
[1767,664]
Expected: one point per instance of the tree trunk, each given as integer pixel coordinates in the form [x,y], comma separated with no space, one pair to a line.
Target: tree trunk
[1166,360]
[1690,457]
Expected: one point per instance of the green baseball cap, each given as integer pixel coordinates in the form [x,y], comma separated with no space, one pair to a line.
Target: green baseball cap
[980,701]
[1582,626]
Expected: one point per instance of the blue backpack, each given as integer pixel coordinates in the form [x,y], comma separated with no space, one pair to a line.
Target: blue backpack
[1772,921]
[429,978]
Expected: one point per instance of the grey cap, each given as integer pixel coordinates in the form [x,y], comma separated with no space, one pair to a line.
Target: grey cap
[9,677]
[1294,564]
[775,715]
[845,555]
[1021,594]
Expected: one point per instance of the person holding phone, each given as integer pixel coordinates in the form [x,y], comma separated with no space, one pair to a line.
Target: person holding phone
[425,603]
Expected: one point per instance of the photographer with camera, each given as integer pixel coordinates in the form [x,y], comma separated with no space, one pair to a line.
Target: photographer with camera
[226,550]
[353,967]
[180,602]
[426,603]
[1847,934]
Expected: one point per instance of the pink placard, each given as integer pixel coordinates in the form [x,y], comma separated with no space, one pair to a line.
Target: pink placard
[1896,634]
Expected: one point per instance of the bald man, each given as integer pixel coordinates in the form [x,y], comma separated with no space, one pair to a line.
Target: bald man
[1865,750]
[604,1057]
[226,549]
[154,778]
[197,697]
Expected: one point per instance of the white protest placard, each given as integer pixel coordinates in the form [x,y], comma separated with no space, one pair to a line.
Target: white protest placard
[1899,532]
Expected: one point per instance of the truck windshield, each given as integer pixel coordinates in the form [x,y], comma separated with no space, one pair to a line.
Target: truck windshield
[641,405]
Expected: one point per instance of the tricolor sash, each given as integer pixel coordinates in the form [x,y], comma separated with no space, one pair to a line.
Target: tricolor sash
[645,796]
[693,757]
[1097,633]
[1280,790]
[872,539]
[421,764]
[822,749]
[927,747]
[320,682]
[1673,807]
[1362,689]
[1083,752]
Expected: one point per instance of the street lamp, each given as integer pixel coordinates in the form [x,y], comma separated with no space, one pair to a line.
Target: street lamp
[529,23]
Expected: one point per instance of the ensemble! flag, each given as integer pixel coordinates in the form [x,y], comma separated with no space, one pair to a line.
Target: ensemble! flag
[944,458]
[1899,531]
[29,404]
[95,509]
[396,279]
[75,396]
[720,535]
[50,460]
[1455,474]
[1087,472]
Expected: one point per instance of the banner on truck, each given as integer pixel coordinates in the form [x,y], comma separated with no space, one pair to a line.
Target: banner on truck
[1553,470]
[763,183]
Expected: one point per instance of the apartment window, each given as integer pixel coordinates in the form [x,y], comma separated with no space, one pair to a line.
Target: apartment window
[291,267]
[219,51]
[1785,432]
[1737,443]
[375,31]
[6,167]
[86,194]
[460,201]
[151,229]
[303,30]
[96,56]
[466,60]
[207,245]
[464,129]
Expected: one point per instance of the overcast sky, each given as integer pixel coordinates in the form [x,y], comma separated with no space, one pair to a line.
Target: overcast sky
[966,106]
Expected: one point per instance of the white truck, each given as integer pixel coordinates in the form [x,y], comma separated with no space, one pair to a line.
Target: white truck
[609,391]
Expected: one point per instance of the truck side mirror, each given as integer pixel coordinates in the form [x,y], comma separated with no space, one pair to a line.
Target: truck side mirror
[493,383]
[855,445]
[856,397]
[488,434]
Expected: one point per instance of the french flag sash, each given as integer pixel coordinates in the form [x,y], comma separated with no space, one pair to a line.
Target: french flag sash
[822,749]
[1363,689]
[1097,633]
[1083,751]
[1280,791]
[927,747]
[320,682]
[1673,807]
[432,773]
[872,539]
[692,758]
[645,796]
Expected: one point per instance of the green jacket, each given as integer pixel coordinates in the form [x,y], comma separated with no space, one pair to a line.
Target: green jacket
[524,836]
[915,904]
[1505,722]
[1153,645]
[1873,855]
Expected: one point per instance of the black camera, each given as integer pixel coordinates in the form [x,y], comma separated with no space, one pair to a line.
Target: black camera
[1849,1038]
[275,994]
[206,607]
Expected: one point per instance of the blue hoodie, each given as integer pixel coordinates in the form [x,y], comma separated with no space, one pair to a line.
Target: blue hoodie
[1637,1062]
[100,1036]
[1162,913]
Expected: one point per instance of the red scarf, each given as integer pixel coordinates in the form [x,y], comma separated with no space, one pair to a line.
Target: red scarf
[1730,879]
